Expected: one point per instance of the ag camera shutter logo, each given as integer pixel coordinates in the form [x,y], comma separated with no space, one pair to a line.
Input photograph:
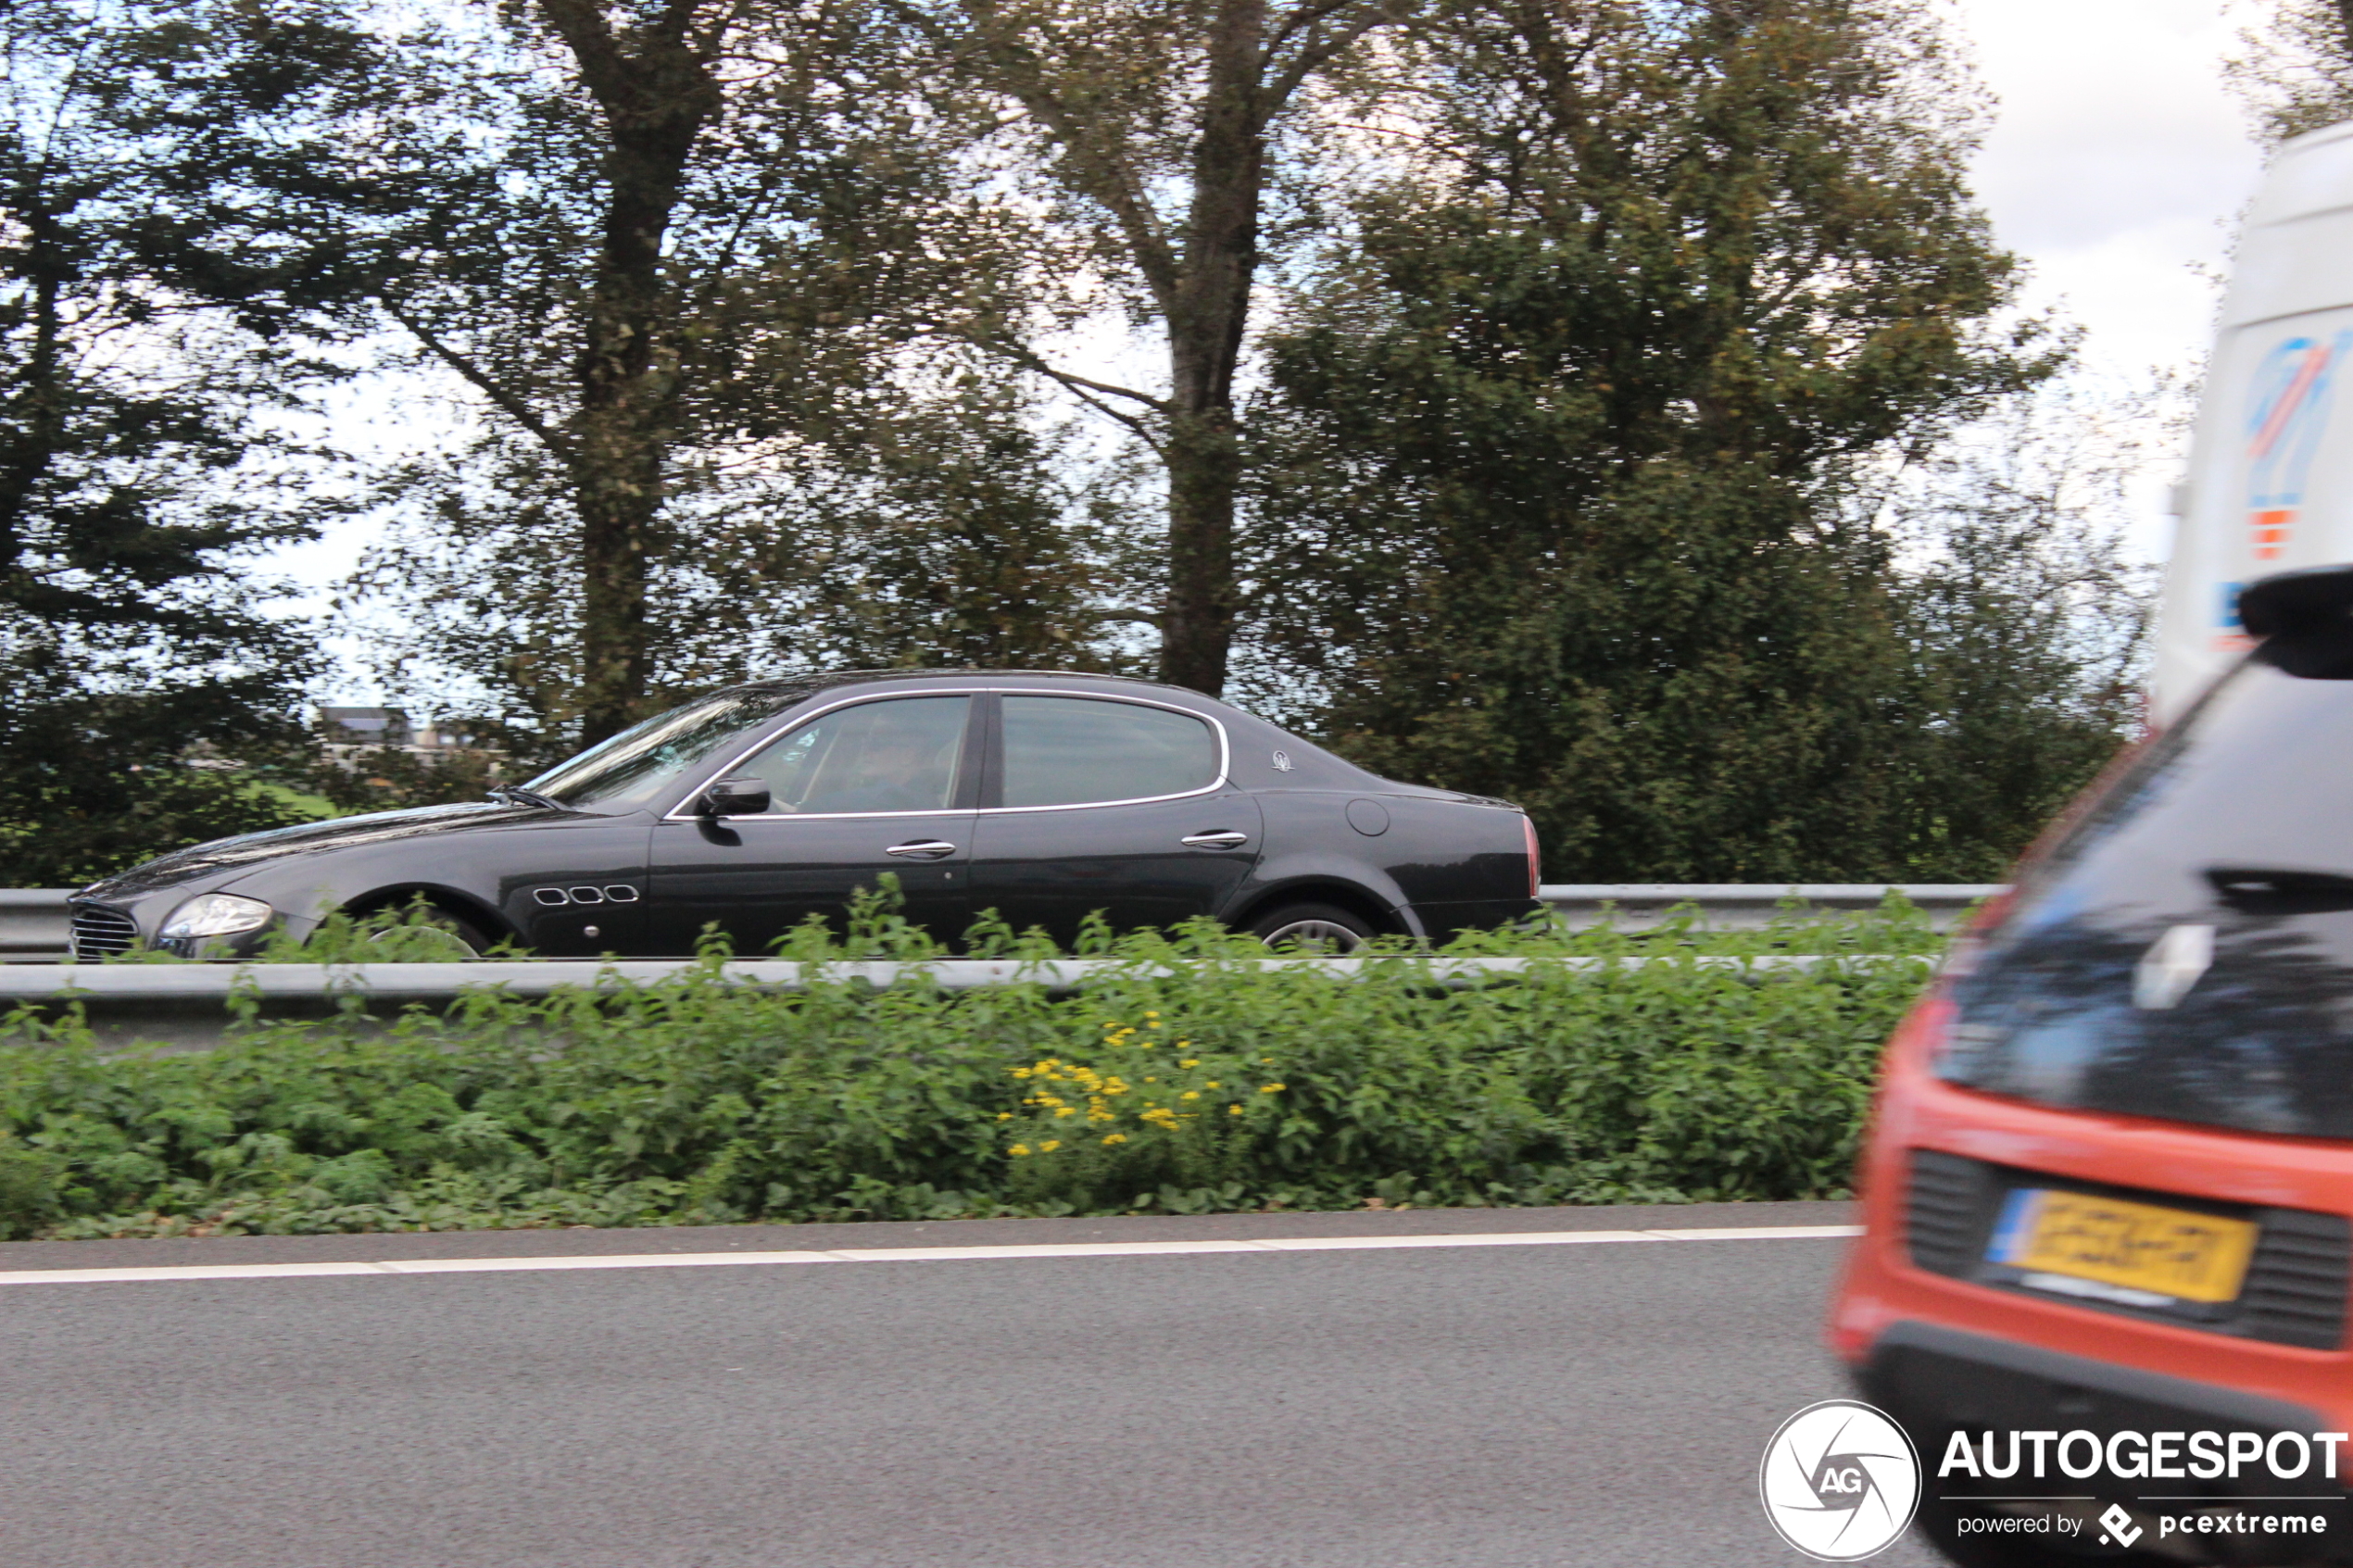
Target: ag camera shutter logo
[1840,1481]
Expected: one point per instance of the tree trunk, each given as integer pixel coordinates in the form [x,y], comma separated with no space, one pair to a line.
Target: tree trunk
[1205,323]
[657,96]
[37,404]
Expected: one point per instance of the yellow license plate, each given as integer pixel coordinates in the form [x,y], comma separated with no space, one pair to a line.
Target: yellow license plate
[2138,1246]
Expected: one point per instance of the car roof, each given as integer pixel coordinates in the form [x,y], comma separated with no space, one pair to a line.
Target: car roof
[837,680]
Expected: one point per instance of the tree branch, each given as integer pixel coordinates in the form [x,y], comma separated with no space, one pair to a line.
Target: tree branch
[1084,390]
[1317,48]
[1098,174]
[507,403]
[1307,17]
[581,23]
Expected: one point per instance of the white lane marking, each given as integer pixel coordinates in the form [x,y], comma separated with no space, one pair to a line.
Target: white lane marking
[590,1261]
[910,1254]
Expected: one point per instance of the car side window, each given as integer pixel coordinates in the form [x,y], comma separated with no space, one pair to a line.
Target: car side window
[1072,751]
[900,755]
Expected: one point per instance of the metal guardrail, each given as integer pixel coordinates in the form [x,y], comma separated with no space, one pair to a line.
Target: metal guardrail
[33,919]
[32,923]
[1746,906]
[185,1007]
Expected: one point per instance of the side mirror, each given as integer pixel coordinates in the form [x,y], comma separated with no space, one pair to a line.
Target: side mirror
[744,796]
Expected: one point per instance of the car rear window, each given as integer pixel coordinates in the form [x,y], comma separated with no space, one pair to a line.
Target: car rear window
[2186,951]
[1070,751]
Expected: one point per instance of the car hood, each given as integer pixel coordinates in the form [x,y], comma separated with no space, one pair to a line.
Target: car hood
[231,856]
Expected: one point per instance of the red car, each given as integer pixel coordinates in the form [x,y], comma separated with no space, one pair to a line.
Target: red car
[2108,1188]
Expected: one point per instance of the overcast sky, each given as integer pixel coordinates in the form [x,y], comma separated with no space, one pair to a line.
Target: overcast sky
[2118,163]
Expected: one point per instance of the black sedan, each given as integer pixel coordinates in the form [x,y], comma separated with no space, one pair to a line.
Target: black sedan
[1040,796]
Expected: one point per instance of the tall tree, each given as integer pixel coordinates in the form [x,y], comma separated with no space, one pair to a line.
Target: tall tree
[165,212]
[1159,123]
[672,247]
[1549,504]
[2022,619]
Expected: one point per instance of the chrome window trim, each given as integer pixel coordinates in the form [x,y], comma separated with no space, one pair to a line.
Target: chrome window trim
[1225,760]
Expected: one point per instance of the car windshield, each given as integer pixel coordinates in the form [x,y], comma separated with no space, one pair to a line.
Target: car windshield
[2186,952]
[636,767]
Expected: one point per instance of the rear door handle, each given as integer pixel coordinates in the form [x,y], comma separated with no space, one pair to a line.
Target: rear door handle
[1225,839]
[922,849]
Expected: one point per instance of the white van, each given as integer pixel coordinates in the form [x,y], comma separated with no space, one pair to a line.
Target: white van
[2270,476]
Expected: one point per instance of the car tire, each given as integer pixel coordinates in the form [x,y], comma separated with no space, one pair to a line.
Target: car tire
[463,933]
[1323,927]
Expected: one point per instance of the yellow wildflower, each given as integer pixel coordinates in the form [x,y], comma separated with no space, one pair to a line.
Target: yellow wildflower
[1271,1089]
[1049,1145]
[1210,1085]
[1116,1137]
[1004,1116]
[1065,1111]
[1233,1110]
[1195,1062]
[1019,1148]
[1189,1094]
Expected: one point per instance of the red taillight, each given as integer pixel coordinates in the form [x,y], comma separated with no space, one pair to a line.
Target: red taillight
[1535,860]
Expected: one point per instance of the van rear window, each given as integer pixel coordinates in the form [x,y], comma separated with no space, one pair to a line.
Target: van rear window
[2186,951]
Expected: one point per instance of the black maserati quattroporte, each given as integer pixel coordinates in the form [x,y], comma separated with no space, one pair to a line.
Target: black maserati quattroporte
[1043,797]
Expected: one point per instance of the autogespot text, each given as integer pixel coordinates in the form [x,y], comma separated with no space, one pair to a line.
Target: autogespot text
[2136,1456]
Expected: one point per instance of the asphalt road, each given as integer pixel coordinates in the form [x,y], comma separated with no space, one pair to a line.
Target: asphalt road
[1489,1407]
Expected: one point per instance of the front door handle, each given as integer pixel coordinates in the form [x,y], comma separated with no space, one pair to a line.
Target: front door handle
[922,849]
[1227,839]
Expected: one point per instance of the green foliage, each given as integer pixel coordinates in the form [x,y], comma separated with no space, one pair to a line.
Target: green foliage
[1552,494]
[1229,1081]
[158,175]
[2293,67]
[750,438]
[388,778]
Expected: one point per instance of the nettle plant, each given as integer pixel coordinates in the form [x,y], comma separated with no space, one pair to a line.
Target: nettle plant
[1188,1074]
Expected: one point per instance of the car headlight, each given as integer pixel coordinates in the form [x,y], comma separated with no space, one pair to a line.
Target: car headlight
[216,914]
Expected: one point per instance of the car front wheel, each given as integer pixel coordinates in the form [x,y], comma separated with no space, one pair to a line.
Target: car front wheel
[1324,928]
[432,934]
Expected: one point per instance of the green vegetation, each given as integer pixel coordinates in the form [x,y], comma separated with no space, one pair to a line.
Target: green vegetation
[1190,1076]
[1602,448]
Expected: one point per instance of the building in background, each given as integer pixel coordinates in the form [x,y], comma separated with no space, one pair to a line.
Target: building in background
[350,733]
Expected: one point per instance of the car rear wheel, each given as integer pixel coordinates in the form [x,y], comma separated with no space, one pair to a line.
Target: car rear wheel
[1312,928]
